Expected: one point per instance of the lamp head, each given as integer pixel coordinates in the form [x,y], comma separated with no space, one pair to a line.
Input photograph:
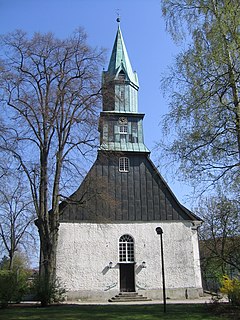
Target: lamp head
[159,230]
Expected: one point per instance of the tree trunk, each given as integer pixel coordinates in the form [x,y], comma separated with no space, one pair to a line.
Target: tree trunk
[47,271]
[48,237]
[48,224]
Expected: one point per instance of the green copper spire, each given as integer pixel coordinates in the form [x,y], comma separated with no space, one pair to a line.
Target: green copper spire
[119,60]
[120,124]
[120,82]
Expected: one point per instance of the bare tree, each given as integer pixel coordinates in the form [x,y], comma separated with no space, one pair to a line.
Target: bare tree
[16,218]
[50,91]
[220,235]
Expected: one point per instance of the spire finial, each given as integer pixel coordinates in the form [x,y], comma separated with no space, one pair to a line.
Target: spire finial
[118,16]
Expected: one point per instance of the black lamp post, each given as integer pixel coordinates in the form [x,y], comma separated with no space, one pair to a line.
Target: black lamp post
[160,232]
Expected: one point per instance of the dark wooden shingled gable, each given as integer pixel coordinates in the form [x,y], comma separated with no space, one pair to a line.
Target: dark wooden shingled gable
[109,195]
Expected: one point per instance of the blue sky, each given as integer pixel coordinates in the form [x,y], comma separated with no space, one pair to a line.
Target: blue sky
[149,47]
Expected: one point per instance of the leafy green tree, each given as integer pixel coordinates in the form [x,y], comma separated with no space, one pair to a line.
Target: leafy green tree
[50,94]
[204,85]
[13,283]
[21,262]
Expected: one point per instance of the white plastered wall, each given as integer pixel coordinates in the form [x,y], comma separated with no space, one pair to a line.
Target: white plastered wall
[85,250]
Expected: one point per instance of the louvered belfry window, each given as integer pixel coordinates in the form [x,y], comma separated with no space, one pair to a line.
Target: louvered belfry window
[126,249]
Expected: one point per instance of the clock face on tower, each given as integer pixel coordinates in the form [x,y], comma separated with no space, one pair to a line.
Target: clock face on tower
[122,120]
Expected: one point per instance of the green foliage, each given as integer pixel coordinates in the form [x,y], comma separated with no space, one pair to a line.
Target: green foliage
[211,273]
[204,89]
[7,286]
[19,262]
[47,292]
[231,287]
[13,286]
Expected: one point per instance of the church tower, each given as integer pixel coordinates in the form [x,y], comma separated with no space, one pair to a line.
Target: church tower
[120,123]
[107,239]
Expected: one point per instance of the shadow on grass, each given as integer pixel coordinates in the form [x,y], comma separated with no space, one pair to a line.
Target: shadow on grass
[113,312]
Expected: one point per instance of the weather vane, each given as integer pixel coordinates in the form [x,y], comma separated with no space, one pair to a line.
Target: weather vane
[118,16]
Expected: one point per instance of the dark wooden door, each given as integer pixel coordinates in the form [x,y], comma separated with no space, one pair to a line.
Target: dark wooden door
[127,277]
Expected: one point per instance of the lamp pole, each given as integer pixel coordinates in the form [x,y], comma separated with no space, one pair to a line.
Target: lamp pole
[160,232]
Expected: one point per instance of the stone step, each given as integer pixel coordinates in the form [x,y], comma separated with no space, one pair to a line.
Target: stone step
[128,297]
[128,294]
[118,299]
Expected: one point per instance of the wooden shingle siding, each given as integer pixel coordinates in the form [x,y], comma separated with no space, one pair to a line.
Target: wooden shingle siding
[109,195]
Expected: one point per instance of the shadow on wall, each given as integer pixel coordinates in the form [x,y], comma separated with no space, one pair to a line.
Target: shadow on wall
[110,266]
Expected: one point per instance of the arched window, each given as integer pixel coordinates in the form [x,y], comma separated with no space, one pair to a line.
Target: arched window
[123,164]
[126,248]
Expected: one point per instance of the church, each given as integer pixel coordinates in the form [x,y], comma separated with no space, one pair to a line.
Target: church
[107,238]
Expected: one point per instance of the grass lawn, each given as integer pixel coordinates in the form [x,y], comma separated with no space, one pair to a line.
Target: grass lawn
[114,312]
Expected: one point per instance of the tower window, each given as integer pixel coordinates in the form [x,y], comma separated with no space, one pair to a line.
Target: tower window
[122,95]
[121,76]
[123,164]
[123,129]
[126,249]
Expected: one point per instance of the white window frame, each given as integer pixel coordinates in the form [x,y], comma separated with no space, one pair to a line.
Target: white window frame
[126,249]
[123,164]
[123,129]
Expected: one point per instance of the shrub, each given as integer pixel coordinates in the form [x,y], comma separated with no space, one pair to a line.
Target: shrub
[13,285]
[231,287]
[7,286]
[48,293]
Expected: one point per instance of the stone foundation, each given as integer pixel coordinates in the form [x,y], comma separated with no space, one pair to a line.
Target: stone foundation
[173,294]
